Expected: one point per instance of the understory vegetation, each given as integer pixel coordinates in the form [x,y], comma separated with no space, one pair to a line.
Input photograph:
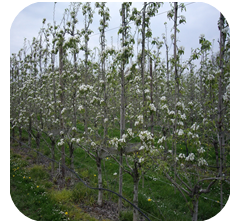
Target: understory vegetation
[156,131]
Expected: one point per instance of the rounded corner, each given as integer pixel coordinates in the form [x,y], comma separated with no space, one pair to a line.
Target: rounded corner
[223,214]
[17,12]
[16,213]
[219,8]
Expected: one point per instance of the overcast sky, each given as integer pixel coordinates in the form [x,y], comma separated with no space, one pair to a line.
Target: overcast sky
[201,18]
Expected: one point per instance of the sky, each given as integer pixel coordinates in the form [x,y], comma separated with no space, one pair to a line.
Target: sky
[201,18]
[20,19]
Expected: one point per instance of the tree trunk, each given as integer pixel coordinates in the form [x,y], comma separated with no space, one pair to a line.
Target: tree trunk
[135,199]
[29,132]
[143,62]
[120,185]
[151,93]
[38,145]
[195,208]
[122,113]
[176,85]
[71,156]
[20,135]
[100,192]
[215,144]
[13,131]
[53,155]
[186,146]
[220,103]
[135,191]
[63,170]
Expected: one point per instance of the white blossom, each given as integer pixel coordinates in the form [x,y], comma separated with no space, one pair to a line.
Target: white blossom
[80,108]
[114,142]
[225,30]
[194,126]
[181,156]
[180,123]
[180,132]
[140,118]
[129,130]
[202,162]
[84,88]
[115,174]
[201,150]
[183,116]
[93,144]
[162,139]
[191,157]
[138,91]
[210,77]
[163,98]
[171,113]
[63,110]
[124,136]
[164,107]
[61,142]
[141,159]
[145,135]
[146,91]
[152,107]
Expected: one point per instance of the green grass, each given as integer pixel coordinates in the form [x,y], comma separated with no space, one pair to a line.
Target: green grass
[31,195]
[165,204]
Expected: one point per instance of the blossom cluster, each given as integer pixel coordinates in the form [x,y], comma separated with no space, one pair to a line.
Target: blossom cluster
[195,126]
[114,142]
[179,104]
[180,132]
[202,162]
[123,139]
[164,107]
[130,133]
[163,98]
[190,157]
[201,150]
[141,159]
[61,142]
[162,139]
[63,110]
[93,144]
[140,120]
[181,156]
[152,107]
[145,136]
[84,88]
[80,108]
